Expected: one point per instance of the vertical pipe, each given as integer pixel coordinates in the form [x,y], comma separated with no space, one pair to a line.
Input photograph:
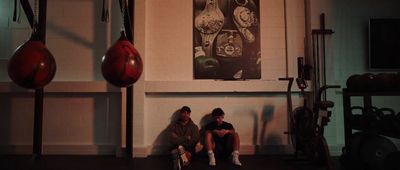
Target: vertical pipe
[38,113]
[322,27]
[37,125]
[129,90]
[307,34]
[129,122]
[314,64]
[129,9]
[42,20]
[317,67]
[286,39]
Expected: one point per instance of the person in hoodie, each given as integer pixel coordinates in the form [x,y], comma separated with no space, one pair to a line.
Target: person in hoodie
[184,135]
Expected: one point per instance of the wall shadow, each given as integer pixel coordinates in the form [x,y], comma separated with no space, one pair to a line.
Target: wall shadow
[267,115]
[161,143]
[207,118]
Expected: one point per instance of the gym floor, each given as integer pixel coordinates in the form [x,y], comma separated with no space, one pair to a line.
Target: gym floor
[151,163]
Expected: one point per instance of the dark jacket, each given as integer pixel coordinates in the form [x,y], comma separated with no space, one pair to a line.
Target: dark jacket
[182,132]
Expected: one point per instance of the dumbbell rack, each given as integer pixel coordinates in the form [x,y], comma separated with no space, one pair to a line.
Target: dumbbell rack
[367,101]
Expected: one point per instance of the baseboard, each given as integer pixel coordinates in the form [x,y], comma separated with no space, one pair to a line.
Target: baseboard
[143,151]
[60,149]
[244,150]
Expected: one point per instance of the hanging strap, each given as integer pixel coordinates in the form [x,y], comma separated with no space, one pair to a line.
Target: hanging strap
[15,10]
[105,12]
[126,19]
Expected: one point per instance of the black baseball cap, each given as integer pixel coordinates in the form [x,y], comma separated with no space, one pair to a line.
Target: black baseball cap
[186,109]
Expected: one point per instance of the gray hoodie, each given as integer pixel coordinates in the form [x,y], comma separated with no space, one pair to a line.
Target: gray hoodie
[179,133]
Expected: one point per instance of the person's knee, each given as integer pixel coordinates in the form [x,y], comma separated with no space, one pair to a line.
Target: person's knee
[229,137]
[208,134]
[209,137]
[236,135]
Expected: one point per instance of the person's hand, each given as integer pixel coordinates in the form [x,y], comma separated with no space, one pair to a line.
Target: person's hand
[221,133]
[228,132]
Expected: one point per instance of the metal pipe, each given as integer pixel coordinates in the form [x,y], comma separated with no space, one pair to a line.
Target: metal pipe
[286,39]
[128,9]
[322,27]
[38,110]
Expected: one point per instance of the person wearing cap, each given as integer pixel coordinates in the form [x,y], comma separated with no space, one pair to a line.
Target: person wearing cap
[183,136]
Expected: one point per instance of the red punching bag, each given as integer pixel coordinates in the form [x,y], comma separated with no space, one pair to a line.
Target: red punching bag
[32,65]
[122,65]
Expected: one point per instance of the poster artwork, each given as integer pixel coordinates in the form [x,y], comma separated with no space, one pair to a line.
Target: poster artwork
[226,39]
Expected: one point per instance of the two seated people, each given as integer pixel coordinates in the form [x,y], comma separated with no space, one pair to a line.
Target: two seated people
[221,140]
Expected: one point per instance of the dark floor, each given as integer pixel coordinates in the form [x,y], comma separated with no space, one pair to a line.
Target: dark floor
[149,163]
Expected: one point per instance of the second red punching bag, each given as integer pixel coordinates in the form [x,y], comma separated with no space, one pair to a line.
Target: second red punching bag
[122,65]
[32,65]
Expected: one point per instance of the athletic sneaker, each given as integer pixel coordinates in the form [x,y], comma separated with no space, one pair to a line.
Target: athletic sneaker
[184,159]
[212,158]
[235,158]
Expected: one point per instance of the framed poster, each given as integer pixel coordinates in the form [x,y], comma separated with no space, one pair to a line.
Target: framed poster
[226,39]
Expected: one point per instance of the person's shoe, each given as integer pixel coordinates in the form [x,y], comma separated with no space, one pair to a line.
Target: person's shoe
[212,158]
[177,164]
[185,160]
[176,160]
[235,158]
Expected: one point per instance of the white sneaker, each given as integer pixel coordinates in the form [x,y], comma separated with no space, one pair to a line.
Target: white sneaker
[182,155]
[212,158]
[235,158]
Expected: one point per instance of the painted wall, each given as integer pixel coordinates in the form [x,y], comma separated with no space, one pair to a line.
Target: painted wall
[163,35]
[82,114]
[168,78]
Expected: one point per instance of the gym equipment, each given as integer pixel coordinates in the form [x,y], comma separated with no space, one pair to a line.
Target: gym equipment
[122,65]
[391,161]
[386,81]
[32,65]
[387,120]
[374,150]
[367,152]
[353,82]
[306,126]
[351,159]
[368,82]
[368,148]
[291,128]
[372,82]
[319,55]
